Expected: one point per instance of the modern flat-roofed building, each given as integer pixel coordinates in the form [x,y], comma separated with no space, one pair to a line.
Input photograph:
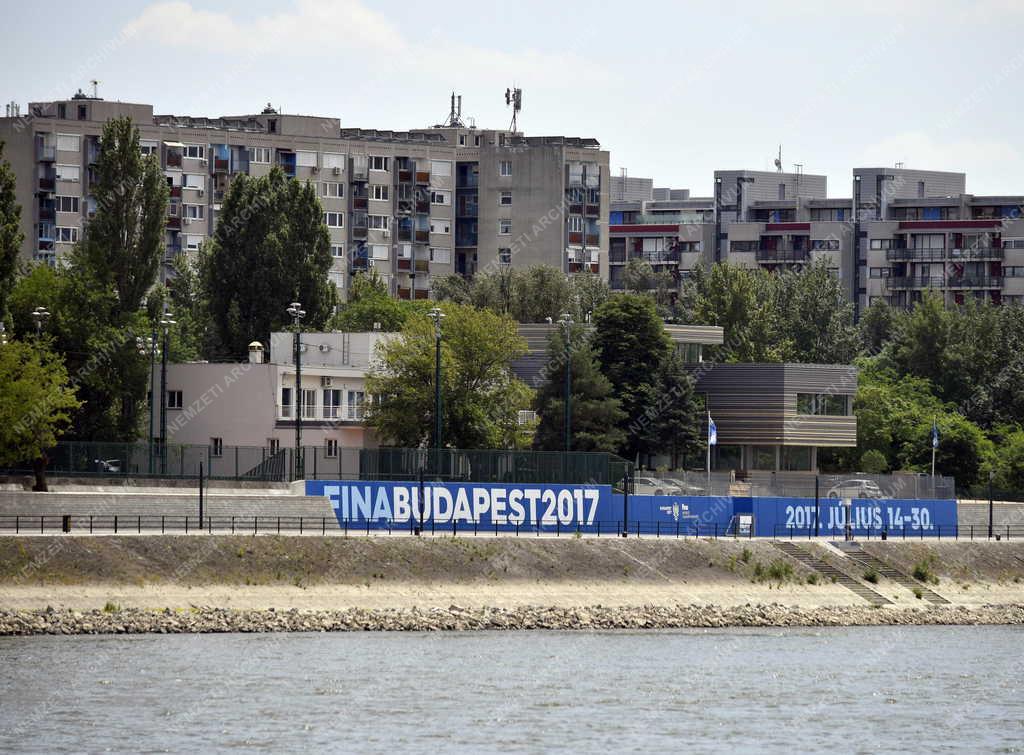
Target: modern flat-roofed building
[411,205]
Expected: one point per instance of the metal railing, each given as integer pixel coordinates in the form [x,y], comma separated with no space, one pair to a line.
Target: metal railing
[949,532]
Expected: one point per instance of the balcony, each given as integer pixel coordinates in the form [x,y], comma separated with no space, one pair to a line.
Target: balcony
[593,239]
[422,266]
[173,160]
[404,206]
[403,234]
[404,293]
[575,237]
[220,165]
[46,153]
[92,155]
[592,210]
[422,206]
[359,232]
[422,237]
[944,255]
[422,177]
[405,176]
[576,208]
[975,281]
[404,264]
[174,223]
[467,210]
[783,255]
[175,192]
[48,185]
[47,214]
[360,203]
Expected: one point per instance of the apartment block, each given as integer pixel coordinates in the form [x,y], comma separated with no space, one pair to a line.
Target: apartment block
[411,205]
[901,232]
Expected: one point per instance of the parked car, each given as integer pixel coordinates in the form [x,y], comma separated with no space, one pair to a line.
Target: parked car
[685,488]
[108,466]
[654,486]
[855,488]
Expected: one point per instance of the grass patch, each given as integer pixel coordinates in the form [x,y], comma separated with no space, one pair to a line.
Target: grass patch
[871,576]
[923,571]
[746,555]
[111,608]
[777,571]
[918,593]
[812,579]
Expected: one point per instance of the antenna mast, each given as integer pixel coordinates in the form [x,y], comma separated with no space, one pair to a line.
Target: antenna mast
[778,161]
[514,97]
[455,114]
[95,88]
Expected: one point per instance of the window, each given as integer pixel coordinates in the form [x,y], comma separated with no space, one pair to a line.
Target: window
[259,154]
[148,148]
[272,125]
[441,255]
[331,448]
[306,159]
[831,245]
[440,226]
[286,403]
[66,204]
[575,224]
[476,140]
[505,198]
[332,189]
[174,400]
[356,399]
[68,173]
[192,181]
[66,235]
[743,246]
[504,256]
[380,192]
[440,168]
[195,151]
[882,244]
[192,243]
[440,197]
[69,143]
[380,222]
[192,211]
[1014,271]
[1013,243]
[308,403]
[216,447]
[462,140]
[876,272]
[505,168]
[337,251]
[334,160]
[920,189]
[377,162]
[822,404]
[332,403]
[505,226]
[334,219]
[380,251]
[83,113]
[273,445]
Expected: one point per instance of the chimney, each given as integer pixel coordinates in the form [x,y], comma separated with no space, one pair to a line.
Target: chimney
[256,353]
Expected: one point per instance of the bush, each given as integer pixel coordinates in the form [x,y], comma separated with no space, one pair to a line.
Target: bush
[873,462]
[111,608]
[871,576]
[918,593]
[812,579]
[923,571]
[745,556]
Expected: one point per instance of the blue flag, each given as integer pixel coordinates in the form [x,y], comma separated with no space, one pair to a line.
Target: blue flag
[935,435]
[712,431]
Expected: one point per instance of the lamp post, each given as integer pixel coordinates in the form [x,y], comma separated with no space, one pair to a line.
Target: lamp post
[297,313]
[437,315]
[566,323]
[166,321]
[150,346]
[40,315]
[3,334]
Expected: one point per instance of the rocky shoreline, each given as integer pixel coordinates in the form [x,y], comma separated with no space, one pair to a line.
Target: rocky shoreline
[455,618]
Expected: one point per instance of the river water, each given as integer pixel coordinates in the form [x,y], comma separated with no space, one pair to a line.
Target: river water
[896,689]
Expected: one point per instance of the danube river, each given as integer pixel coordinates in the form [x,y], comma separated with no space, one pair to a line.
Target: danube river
[910,689]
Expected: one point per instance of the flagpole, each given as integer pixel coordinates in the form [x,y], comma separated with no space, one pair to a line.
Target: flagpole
[935,438]
[708,490]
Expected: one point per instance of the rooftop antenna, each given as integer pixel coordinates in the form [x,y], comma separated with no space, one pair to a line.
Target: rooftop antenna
[455,114]
[95,88]
[899,164]
[778,160]
[514,97]
[799,168]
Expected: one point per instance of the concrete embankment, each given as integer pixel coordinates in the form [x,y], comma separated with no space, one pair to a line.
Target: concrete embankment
[226,583]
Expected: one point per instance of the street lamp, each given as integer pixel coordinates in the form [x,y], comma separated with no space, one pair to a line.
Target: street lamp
[3,334]
[566,322]
[40,315]
[166,321]
[297,313]
[437,315]
[148,345]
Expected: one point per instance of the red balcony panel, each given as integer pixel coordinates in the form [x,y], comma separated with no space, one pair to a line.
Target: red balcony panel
[787,226]
[174,222]
[575,237]
[405,176]
[422,293]
[635,228]
[911,224]
[404,264]
[593,239]
[422,237]
[359,203]
[422,177]
[404,293]
[173,160]
[175,191]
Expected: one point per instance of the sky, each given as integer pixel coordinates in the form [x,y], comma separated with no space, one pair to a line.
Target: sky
[673,90]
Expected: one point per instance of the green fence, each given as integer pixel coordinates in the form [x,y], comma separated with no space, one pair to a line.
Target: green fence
[142,460]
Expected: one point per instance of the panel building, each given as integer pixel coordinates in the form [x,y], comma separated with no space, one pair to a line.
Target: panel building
[411,205]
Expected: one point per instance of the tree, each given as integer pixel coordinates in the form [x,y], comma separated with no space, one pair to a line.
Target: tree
[271,248]
[630,343]
[597,417]
[586,293]
[815,316]
[370,307]
[678,422]
[877,327]
[123,244]
[921,345]
[10,231]
[481,398]
[1007,463]
[542,292]
[873,462]
[36,401]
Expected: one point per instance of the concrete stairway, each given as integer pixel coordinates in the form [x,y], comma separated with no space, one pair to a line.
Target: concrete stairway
[857,553]
[162,503]
[827,570]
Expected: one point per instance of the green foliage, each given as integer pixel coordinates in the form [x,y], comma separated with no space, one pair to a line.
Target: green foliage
[630,342]
[873,461]
[1007,461]
[530,295]
[123,244]
[924,571]
[370,305]
[878,325]
[675,421]
[10,231]
[596,414]
[870,575]
[36,401]
[815,319]
[746,555]
[481,399]
[271,248]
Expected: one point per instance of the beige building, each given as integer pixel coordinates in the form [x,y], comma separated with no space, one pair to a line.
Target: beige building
[412,205]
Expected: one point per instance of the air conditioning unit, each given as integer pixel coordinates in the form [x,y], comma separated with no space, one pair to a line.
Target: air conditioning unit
[386,233]
[201,192]
[323,349]
[187,221]
[337,171]
[325,381]
[314,169]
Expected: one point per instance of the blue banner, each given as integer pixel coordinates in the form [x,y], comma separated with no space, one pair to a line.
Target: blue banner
[595,509]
